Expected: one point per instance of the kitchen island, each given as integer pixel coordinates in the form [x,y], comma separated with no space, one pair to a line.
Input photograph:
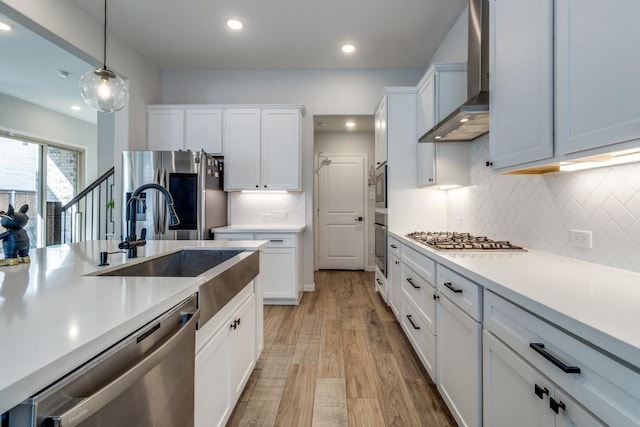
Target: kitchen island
[55,314]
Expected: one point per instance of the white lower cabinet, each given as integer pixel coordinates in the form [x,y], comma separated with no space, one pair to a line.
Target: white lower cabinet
[394,283]
[225,357]
[459,368]
[516,394]
[421,337]
[280,264]
[584,385]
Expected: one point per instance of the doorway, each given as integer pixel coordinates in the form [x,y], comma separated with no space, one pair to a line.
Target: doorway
[343,203]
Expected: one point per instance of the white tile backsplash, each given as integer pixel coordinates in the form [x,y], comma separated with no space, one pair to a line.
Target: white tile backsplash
[267,208]
[537,211]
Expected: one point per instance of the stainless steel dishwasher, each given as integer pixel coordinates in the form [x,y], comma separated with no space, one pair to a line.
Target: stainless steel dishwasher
[146,380]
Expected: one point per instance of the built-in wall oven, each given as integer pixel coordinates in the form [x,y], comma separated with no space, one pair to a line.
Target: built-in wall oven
[381,186]
[380,225]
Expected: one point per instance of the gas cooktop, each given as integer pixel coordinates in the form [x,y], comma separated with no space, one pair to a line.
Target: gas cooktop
[454,241]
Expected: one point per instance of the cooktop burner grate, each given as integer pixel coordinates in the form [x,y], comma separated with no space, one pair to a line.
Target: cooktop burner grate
[454,241]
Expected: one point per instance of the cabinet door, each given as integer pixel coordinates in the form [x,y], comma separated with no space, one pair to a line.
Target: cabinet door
[165,129]
[394,282]
[203,130]
[427,104]
[241,149]
[213,403]
[242,336]
[514,394]
[426,164]
[574,415]
[421,338]
[279,273]
[597,94]
[459,362]
[280,149]
[380,134]
[521,81]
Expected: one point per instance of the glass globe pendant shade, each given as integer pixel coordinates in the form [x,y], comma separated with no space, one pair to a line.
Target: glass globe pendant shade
[104,90]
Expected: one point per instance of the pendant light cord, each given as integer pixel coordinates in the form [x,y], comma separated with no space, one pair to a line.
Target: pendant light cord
[104,57]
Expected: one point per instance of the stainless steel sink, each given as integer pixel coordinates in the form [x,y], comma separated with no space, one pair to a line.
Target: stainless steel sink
[217,290]
[186,263]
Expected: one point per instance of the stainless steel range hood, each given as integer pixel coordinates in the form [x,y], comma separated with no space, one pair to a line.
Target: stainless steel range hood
[471,119]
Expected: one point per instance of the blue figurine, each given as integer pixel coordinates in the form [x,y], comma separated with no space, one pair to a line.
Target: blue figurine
[15,240]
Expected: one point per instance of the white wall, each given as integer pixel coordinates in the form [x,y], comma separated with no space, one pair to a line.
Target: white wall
[454,46]
[352,143]
[32,120]
[322,93]
[74,30]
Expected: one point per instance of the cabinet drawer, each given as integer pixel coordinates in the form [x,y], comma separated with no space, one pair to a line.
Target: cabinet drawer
[419,263]
[234,236]
[394,247]
[421,338]
[607,388]
[278,240]
[421,293]
[463,292]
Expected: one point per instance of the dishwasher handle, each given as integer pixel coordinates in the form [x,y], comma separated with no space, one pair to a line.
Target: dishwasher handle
[92,404]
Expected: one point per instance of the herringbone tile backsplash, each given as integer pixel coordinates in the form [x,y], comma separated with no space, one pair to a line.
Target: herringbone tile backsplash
[537,211]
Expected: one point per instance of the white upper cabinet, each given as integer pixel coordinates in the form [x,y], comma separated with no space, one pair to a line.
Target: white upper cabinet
[165,129]
[203,130]
[380,124]
[176,127]
[598,74]
[442,89]
[521,81]
[280,149]
[262,148]
[242,149]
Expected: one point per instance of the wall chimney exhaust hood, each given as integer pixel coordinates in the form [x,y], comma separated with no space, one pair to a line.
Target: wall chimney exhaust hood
[471,119]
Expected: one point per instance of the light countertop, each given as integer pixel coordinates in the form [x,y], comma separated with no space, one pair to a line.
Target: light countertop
[260,229]
[595,302]
[54,315]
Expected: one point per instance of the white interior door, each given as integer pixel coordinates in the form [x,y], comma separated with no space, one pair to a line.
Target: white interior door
[341,206]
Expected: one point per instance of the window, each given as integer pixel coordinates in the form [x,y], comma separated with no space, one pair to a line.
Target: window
[41,175]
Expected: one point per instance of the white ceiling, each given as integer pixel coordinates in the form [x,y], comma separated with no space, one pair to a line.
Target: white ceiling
[278,34]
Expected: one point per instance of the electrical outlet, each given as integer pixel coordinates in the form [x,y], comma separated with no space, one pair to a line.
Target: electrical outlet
[582,238]
[265,217]
[279,215]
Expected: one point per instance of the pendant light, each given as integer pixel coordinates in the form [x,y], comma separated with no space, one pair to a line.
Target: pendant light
[101,88]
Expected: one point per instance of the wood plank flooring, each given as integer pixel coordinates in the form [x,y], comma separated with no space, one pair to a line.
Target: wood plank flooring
[338,359]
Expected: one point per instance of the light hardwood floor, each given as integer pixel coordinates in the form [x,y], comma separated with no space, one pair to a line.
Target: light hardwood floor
[338,359]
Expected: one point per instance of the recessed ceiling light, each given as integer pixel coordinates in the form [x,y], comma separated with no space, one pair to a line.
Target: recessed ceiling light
[5,27]
[350,125]
[437,137]
[348,48]
[76,108]
[234,24]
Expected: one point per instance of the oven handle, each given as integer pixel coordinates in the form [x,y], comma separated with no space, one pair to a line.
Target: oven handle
[92,404]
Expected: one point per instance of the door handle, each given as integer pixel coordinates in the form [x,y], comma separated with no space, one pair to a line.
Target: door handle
[359,219]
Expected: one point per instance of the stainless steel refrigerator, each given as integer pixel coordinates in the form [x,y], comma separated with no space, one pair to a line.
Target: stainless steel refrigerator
[194,180]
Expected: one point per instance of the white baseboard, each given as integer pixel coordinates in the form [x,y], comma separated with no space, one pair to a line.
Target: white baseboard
[371,268]
[309,287]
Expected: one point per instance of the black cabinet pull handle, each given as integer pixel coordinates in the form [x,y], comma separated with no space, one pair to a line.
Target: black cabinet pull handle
[556,404]
[394,246]
[397,262]
[412,284]
[436,297]
[453,289]
[539,348]
[411,321]
[540,391]
[379,282]
[276,240]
